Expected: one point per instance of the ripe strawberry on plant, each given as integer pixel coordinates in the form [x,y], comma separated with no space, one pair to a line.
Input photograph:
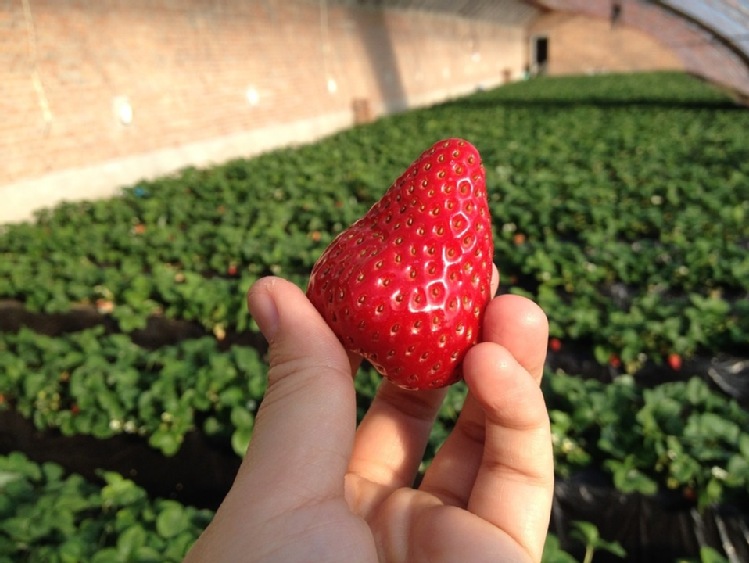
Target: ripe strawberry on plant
[674,361]
[407,284]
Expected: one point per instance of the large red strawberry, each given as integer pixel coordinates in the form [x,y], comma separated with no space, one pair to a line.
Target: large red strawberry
[407,284]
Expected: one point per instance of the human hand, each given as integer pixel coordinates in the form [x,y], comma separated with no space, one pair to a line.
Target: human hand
[314,487]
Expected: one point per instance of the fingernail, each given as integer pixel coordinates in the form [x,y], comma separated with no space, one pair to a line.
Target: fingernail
[263,307]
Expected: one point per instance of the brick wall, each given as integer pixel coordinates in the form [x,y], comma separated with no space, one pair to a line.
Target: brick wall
[97,93]
[580,44]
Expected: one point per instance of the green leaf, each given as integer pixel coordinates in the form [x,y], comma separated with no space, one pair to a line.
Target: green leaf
[586,532]
[241,417]
[73,550]
[240,440]
[744,445]
[630,479]
[710,555]
[108,555]
[120,491]
[172,520]
[167,440]
[614,548]
[130,541]
[553,552]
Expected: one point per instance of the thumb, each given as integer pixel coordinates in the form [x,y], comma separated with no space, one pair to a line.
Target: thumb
[305,425]
[304,428]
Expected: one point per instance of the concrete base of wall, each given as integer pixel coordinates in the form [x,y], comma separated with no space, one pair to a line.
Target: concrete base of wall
[20,199]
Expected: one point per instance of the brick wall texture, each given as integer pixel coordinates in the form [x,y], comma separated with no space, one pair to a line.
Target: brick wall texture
[192,70]
[96,93]
[583,44]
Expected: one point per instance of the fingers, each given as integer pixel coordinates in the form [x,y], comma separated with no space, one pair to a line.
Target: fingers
[521,326]
[305,425]
[392,437]
[390,443]
[504,402]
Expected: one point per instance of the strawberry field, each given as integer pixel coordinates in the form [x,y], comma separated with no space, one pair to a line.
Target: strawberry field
[620,203]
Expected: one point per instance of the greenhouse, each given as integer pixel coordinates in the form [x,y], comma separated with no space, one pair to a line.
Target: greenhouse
[188,184]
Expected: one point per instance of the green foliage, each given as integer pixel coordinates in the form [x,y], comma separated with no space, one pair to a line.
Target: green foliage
[587,534]
[680,436]
[553,552]
[47,516]
[100,384]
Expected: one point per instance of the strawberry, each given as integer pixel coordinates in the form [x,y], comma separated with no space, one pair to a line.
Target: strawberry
[407,284]
[674,361]
[615,361]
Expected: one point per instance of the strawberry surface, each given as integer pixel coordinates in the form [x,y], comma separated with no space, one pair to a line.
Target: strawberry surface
[407,284]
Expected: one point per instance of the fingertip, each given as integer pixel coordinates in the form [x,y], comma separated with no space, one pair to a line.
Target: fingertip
[508,394]
[291,324]
[522,327]
[526,314]
[495,279]
[262,306]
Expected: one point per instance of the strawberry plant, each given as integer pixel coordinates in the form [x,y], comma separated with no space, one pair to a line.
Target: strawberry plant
[587,534]
[50,516]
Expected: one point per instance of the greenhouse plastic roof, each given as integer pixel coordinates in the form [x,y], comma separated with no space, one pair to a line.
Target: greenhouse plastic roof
[729,19]
[711,37]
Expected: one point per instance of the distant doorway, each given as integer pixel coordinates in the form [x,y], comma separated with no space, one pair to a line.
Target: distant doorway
[540,48]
